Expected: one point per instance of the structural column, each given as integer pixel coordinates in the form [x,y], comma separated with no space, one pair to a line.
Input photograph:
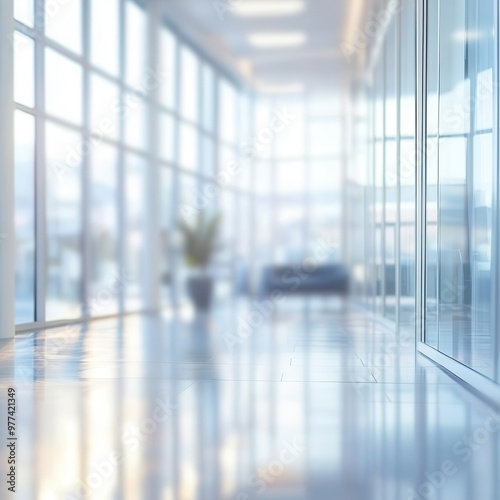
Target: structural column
[7,234]
[153,266]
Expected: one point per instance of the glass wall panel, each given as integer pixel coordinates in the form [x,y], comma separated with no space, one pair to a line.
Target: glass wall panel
[24,153]
[166,137]
[104,34]
[168,62]
[244,245]
[226,270]
[465,186]
[106,284]
[263,179]
[104,107]
[135,50]
[290,180]
[208,163]
[227,112]
[325,138]
[24,70]
[189,77]
[199,132]
[390,231]
[167,231]
[63,24]
[289,238]
[290,140]
[136,129]
[245,177]
[325,180]
[189,188]
[24,12]
[209,98]
[188,147]
[407,162]
[64,224]
[325,225]
[263,112]
[431,230]
[378,193]
[63,96]
[135,231]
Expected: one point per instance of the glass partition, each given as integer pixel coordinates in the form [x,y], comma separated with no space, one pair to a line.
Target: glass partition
[460,186]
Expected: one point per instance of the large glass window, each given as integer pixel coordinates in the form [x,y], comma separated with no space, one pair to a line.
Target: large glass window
[104,36]
[63,96]
[227,112]
[188,147]
[64,223]
[24,11]
[63,24]
[136,53]
[190,84]
[105,283]
[167,230]
[168,63]
[460,187]
[383,174]
[407,170]
[166,136]
[135,232]
[135,121]
[24,70]
[92,132]
[104,100]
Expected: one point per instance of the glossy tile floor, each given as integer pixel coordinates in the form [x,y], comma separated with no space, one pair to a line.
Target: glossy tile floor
[308,403]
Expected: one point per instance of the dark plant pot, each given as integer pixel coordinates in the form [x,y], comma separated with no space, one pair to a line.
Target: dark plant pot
[200,290]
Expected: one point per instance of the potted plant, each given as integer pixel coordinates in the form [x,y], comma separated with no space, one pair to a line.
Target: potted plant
[200,242]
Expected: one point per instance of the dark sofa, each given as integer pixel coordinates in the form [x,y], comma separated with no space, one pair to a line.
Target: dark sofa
[289,279]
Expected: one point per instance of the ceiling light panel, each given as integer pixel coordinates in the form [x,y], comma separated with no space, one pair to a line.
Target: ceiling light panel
[278,40]
[268,8]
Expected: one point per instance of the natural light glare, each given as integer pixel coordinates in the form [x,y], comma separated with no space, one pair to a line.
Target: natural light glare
[467,35]
[262,8]
[277,40]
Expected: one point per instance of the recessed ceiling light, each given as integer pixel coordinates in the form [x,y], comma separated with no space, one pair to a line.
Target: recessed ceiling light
[268,8]
[277,40]
[289,88]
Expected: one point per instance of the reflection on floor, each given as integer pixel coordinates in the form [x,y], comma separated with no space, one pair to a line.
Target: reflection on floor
[304,403]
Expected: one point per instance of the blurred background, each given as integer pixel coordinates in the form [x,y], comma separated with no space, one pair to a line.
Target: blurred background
[284,181]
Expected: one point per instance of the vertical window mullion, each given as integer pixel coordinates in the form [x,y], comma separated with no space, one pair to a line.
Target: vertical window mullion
[121,158]
[86,164]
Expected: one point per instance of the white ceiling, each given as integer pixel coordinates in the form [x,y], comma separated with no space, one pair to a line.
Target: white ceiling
[317,64]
